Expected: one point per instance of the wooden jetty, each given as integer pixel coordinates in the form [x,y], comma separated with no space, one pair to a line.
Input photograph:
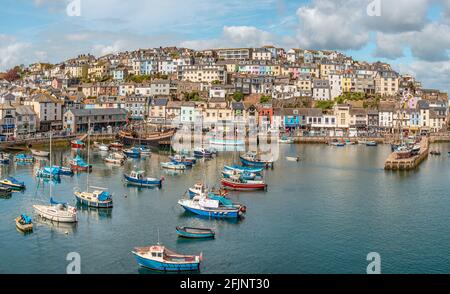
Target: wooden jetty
[394,163]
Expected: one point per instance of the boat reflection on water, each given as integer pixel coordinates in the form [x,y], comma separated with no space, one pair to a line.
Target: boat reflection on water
[59,227]
[146,271]
[93,212]
[229,148]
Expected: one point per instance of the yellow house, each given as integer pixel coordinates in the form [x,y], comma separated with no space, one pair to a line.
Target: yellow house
[346,83]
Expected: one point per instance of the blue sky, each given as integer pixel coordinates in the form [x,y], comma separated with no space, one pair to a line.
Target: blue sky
[412,35]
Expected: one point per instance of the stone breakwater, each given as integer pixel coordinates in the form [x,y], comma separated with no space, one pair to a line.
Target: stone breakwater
[394,163]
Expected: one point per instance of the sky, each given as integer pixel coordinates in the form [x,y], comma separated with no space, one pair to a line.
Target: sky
[412,35]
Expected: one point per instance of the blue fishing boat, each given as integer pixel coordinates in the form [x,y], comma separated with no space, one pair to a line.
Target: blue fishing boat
[202,152]
[195,233]
[137,178]
[252,159]
[180,159]
[132,152]
[212,208]
[24,158]
[12,183]
[144,151]
[160,258]
[243,175]
[240,168]
[371,144]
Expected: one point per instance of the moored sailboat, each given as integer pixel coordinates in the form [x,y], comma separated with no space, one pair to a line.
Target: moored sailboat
[57,211]
[98,198]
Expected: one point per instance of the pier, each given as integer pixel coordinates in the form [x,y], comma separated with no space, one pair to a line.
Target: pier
[394,163]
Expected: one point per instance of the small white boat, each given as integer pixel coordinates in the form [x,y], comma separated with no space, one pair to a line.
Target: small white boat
[58,212]
[103,147]
[40,153]
[173,166]
[286,140]
[290,158]
[99,198]
[113,159]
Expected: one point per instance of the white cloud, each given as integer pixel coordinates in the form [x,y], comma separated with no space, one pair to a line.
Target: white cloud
[327,24]
[11,51]
[432,74]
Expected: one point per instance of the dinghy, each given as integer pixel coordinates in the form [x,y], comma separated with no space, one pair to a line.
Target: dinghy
[40,153]
[195,233]
[24,223]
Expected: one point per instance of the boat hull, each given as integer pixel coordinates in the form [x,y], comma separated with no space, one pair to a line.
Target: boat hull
[80,168]
[76,145]
[212,213]
[243,186]
[203,154]
[23,227]
[153,140]
[40,153]
[142,183]
[12,186]
[248,162]
[166,266]
[42,212]
[132,154]
[208,234]
[96,204]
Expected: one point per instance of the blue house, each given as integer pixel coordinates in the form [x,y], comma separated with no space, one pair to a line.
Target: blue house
[292,118]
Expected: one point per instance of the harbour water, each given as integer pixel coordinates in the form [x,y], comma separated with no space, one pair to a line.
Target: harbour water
[321,215]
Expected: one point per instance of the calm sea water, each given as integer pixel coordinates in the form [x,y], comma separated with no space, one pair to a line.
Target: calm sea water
[322,215]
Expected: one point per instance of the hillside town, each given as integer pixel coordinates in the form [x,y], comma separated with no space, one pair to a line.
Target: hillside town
[314,92]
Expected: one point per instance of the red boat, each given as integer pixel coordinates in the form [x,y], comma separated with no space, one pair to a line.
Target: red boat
[77,144]
[116,146]
[243,185]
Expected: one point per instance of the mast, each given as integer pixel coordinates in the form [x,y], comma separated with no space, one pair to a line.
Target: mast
[89,145]
[51,167]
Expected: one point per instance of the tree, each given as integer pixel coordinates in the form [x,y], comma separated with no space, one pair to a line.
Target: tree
[13,74]
[238,96]
[324,105]
[193,96]
[265,99]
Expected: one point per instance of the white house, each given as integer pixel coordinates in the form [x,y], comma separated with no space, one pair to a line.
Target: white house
[321,90]
[335,80]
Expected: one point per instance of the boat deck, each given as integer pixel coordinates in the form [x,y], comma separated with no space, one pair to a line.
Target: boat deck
[394,163]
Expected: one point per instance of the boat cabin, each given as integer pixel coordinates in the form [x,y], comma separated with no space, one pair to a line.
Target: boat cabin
[137,175]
